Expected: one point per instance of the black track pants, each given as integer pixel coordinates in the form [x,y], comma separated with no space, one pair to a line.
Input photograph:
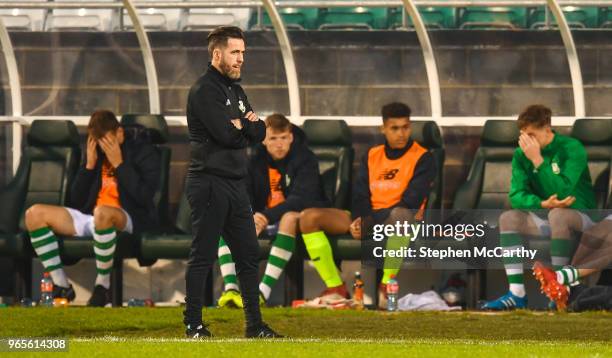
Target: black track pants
[221,207]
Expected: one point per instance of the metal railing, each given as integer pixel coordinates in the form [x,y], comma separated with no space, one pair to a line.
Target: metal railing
[293,3]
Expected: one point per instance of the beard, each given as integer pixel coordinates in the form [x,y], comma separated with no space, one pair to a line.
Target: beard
[229,71]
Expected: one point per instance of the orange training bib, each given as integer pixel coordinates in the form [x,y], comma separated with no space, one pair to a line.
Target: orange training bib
[108,194]
[276,193]
[389,178]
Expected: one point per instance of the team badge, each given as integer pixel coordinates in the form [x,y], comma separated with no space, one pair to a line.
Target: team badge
[241,106]
[228,103]
[555,168]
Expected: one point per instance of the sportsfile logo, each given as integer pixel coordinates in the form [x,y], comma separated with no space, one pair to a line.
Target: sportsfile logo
[458,232]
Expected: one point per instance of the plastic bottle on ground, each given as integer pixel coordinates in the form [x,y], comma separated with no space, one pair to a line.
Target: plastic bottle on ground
[392,293]
[46,291]
[358,291]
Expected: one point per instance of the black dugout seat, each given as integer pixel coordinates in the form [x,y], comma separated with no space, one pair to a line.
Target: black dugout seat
[488,181]
[47,166]
[330,140]
[596,136]
[427,134]
[487,186]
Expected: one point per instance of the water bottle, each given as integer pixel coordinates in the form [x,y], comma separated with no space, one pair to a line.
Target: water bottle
[27,302]
[136,302]
[392,292]
[46,291]
[358,291]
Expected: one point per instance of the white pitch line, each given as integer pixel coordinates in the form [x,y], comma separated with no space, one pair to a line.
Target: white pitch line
[111,339]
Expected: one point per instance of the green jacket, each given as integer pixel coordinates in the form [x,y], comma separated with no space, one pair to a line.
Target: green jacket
[564,172]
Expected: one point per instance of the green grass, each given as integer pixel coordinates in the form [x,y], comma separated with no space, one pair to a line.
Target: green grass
[150,332]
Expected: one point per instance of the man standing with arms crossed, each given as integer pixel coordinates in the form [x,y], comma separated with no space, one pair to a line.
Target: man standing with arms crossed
[221,125]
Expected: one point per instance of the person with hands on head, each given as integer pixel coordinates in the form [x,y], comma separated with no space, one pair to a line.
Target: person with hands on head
[222,124]
[549,172]
[283,180]
[531,147]
[112,192]
[392,185]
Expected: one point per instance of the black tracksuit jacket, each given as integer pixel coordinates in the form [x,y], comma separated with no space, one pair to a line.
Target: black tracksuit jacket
[217,147]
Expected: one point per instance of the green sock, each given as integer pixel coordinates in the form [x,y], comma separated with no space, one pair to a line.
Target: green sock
[227,266]
[513,265]
[46,247]
[560,252]
[105,241]
[280,253]
[320,252]
[567,275]
[392,265]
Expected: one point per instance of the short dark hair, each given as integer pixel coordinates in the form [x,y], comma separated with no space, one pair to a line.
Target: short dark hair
[278,122]
[536,115]
[395,110]
[101,122]
[219,36]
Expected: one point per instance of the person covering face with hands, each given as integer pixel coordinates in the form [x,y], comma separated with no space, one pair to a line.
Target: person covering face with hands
[549,172]
[112,192]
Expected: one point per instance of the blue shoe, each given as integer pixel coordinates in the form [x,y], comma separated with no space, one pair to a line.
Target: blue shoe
[552,306]
[506,302]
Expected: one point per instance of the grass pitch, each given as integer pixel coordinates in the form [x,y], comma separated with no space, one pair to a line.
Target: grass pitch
[155,331]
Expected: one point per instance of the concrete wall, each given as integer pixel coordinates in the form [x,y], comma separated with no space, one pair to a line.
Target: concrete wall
[341,73]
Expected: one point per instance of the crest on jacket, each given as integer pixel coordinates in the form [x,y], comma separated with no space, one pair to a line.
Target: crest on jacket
[555,168]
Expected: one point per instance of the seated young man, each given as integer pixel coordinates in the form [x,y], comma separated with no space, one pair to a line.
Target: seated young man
[112,191]
[283,180]
[593,254]
[549,171]
[392,185]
